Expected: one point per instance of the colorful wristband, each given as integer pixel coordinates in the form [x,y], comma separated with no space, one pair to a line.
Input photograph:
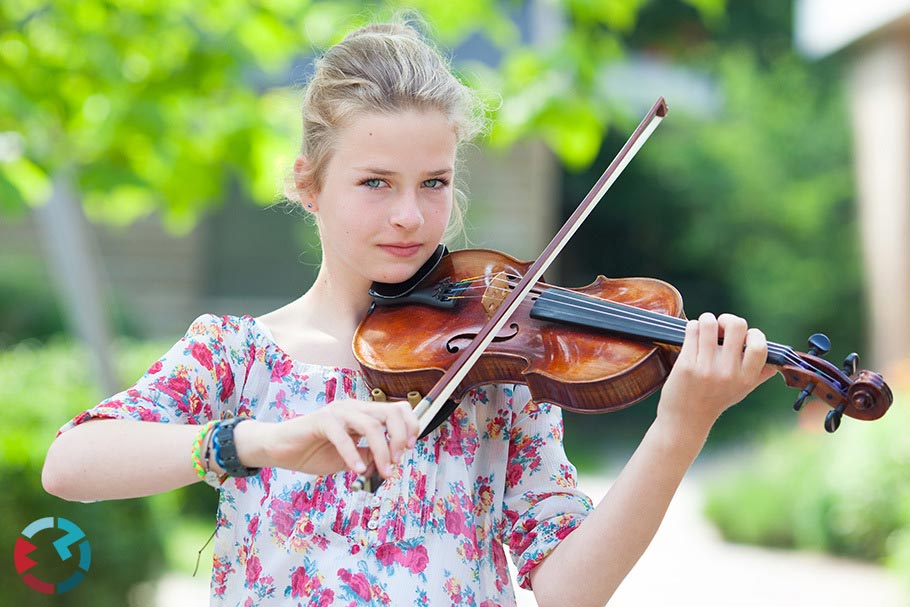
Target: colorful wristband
[196,452]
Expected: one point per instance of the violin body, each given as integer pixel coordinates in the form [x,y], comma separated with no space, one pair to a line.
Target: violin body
[408,346]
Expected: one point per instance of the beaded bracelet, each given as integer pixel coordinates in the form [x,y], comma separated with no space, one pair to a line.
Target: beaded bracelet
[196,452]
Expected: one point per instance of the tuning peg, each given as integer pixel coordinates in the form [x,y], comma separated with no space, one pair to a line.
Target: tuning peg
[832,420]
[801,399]
[850,363]
[819,344]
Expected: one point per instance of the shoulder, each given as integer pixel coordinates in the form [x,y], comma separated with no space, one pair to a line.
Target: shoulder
[224,331]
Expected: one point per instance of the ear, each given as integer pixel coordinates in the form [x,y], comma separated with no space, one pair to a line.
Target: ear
[304,183]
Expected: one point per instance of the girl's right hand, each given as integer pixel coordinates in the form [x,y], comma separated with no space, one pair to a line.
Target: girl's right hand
[326,441]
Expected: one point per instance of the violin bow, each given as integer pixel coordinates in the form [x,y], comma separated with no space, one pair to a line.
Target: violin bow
[434,400]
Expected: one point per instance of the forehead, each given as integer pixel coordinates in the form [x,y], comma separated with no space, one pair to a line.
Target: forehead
[418,140]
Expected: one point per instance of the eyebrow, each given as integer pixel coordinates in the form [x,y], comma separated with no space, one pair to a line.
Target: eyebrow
[388,173]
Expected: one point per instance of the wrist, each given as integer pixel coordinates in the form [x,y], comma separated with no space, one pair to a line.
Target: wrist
[680,435]
[252,444]
[227,455]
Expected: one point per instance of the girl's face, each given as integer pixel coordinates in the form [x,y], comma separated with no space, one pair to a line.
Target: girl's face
[386,195]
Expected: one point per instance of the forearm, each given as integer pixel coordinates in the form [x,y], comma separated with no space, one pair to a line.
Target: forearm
[590,563]
[117,459]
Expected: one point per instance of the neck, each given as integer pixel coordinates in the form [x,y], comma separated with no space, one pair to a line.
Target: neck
[335,307]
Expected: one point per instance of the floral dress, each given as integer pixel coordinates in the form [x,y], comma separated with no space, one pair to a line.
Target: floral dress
[493,475]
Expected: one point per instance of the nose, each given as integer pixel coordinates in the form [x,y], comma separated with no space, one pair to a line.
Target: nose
[406,212]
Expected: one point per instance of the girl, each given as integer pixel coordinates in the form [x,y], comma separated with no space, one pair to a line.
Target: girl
[271,410]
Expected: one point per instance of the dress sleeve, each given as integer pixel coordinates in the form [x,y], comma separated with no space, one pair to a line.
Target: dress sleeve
[194,382]
[542,501]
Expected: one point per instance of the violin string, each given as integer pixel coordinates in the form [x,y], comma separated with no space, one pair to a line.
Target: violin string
[674,326]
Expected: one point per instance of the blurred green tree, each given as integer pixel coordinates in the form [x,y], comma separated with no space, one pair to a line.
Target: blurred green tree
[151,105]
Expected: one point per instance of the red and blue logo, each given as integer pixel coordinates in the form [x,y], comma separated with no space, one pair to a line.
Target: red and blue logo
[72,537]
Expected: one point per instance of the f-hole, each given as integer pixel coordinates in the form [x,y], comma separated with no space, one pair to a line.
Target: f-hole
[452,347]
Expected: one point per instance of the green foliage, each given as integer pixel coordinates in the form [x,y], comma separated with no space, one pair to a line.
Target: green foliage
[28,308]
[749,211]
[41,387]
[157,105]
[846,494]
[766,192]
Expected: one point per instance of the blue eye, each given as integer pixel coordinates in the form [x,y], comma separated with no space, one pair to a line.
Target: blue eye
[435,183]
[372,183]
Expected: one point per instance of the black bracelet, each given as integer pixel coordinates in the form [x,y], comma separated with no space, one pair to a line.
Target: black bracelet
[226,450]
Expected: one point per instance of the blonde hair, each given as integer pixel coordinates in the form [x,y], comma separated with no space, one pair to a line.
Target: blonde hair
[382,68]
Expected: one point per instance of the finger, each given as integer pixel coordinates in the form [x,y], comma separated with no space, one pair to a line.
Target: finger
[707,340]
[756,354]
[689,351]
[397,429]
[412,422]
[344,444]
[373,431]
[734,330]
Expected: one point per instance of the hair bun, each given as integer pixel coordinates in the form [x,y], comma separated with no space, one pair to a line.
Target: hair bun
[401,28]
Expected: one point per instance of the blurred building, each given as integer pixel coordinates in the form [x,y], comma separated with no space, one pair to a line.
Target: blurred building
[875,36]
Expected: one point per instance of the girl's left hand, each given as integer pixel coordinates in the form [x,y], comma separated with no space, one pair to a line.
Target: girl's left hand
[708,377]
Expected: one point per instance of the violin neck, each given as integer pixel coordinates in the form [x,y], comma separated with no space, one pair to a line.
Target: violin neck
[573,308]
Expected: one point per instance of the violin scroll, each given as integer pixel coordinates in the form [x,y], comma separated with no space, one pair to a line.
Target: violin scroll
[850,391]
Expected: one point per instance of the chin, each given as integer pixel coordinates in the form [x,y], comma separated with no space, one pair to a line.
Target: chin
[394,275]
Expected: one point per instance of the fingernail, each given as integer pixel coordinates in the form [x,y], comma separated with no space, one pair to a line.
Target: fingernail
[411,442]
[388,470]
[360,468]
[396,457]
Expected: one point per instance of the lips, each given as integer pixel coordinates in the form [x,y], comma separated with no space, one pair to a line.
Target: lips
[401,249]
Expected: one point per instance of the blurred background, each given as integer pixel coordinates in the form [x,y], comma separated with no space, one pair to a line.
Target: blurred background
[144,146]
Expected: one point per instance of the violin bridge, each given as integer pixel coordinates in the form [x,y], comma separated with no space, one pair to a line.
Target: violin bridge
[496,292]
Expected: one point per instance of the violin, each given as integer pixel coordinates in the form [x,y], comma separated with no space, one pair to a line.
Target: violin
[597,348]
[479,316]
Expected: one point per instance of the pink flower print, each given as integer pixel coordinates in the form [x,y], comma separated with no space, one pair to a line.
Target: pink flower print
[455,521]
[175,387]
[453,588]
[248,602]
[301,583]
[502,567]
[250,359]
[253,569]
[484,500]
[495,426]
[348,386]
[265,475]
[253,526]
[149,416]
[513,474]
[155,368]
[281,369]
[226,378]
[357,582]
[388,554]
[221,569]
[532,409]
[416,558]
[202,353]
[330,386]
